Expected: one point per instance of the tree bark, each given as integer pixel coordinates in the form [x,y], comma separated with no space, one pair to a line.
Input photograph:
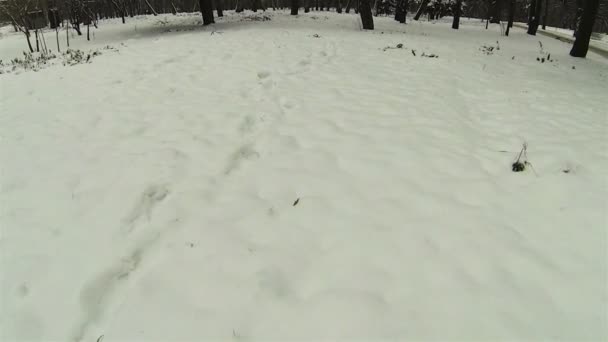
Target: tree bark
[219,6]
[399,10]
[578,16]
[496,10]
[535,11]
[581,44]
[457,8]
[421,9]
[57,36]
[367,19]
[546,14]
[339,6]
[207,11]
[511,16]
[295,5]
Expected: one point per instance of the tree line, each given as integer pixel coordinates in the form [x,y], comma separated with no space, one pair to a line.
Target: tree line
[580,15]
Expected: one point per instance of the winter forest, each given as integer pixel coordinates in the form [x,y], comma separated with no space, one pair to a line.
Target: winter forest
[303,170]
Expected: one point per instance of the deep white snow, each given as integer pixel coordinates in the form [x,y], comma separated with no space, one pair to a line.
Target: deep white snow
[151,193]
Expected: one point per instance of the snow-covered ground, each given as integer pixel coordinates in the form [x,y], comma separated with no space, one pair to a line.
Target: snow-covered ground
[292,179]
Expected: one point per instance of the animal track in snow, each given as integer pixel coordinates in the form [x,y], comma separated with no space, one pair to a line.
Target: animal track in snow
[145,204]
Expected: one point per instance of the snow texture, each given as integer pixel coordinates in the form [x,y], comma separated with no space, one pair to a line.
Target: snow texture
[252,181]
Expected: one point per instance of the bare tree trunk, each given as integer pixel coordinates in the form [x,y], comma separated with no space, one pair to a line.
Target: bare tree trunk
[536,10]
[546,14]
[219,6]
[581,44]
[27,37]
[57,35]
[151,8]
[578,16]
[88,33]
[67,33]
[37,41]
[457,9]
[306,6]
[495,11]
[511,16]
[421,9]
[347,10]
[207,12]
[367,19]
[295,5]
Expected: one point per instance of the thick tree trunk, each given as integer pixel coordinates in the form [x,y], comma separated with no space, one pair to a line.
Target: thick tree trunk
[457,8]
[535,11]
[295,6]
[421,9]
[511,16]
[306,6]
[207,11]
[399,10]
[578,16]
[495,11]
[581,44]
[367,19]
[239,6]
[256,5]
[546,14]
[219,6]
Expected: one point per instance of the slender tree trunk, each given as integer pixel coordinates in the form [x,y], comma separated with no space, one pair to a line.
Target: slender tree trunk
[511,16]
[581,44]
[295,5]
[88,33]
[367,19]
[57,35]
[67,33]
[27,37]
[207,11]
[306,6]
[151,8]
[347,10]
[339,6]
[457,8]
[495,11]
[421,9]
[357,7]
[37,41]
